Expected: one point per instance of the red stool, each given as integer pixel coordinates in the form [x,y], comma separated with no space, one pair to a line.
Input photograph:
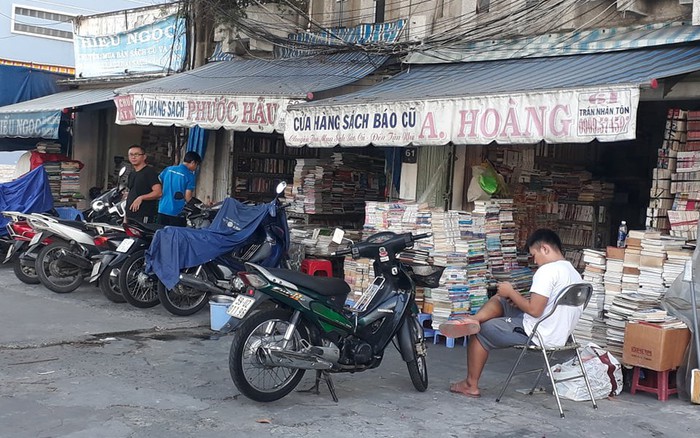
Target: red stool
[317,267]
[661,383]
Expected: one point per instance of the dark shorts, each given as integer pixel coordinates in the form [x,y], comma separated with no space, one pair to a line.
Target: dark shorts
[177,221]
[505,331]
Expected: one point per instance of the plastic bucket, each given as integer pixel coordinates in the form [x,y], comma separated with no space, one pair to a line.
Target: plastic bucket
[218,304]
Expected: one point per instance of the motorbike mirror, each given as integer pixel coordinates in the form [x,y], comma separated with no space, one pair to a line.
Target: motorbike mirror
[338,236]
[122,171]
[179,195]
[280,187]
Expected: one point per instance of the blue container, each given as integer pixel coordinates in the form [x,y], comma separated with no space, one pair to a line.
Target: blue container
[218,304]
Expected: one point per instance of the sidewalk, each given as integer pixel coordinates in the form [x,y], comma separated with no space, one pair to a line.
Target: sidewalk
[175,382]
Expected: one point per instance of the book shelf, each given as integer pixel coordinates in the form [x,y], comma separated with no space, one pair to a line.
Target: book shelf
[584,224]
[261,161]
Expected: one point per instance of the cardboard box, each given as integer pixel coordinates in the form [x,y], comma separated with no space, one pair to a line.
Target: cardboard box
[650,346]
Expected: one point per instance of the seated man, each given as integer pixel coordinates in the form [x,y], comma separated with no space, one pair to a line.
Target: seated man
[508,317]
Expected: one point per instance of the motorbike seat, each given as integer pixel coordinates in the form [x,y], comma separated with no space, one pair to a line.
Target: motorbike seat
[326,286]
[80,225]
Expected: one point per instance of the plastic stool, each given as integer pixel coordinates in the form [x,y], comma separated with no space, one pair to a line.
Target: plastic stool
[427,332]
[449,342]
[656,382]
[317,267]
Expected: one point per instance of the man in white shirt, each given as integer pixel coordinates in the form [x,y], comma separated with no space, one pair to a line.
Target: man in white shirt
[508,317]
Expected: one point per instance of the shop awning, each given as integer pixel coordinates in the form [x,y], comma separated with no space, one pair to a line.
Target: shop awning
[566,99]
[39,118]
[240,94]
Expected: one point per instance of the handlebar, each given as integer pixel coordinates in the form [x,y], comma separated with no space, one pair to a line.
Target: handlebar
[422,236]
[394,244]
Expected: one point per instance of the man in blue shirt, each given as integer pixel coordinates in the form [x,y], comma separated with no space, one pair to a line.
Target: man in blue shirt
[180,178]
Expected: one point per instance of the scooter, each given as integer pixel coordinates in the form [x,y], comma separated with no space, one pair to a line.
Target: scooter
[62,265]
[124,267]
[287,322]
[21,235]
[266,244]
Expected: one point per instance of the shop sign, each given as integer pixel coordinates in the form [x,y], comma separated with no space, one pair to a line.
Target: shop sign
[558,116]
[153,48]
[30,125]
[240,113]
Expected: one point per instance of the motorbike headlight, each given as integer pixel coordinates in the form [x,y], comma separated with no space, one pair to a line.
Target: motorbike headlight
[98,205]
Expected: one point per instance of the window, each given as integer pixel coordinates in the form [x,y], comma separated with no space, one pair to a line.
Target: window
[42,23]
[482,6]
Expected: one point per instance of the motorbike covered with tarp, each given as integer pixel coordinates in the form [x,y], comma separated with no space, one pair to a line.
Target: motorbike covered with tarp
[177,248]
[29,193]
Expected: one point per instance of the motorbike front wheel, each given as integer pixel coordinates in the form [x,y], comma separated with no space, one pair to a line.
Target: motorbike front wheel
[252,376]
[25,273]
[58,278]
[184,300]
[418,368]
[138,289]
[109,285]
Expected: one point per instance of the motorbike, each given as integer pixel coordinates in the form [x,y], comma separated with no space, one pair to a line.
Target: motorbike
[287,322]
[109,206]
[124,267]
[238,233]
[63,264]
[21,235]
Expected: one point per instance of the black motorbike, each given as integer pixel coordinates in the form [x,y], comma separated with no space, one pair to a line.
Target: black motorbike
[287,322]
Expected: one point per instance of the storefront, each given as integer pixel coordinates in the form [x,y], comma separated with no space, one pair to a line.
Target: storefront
[242,103]
[587,99]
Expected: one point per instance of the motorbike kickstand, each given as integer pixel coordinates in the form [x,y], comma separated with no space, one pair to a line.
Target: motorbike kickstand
[325,375]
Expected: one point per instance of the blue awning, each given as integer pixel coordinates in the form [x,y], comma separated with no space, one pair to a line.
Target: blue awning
[438,102]
[40,118]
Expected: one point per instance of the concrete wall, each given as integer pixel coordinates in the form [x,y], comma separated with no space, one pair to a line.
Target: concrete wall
[505,17]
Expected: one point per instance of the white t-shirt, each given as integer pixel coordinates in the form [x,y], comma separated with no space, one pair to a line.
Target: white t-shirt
[550,279]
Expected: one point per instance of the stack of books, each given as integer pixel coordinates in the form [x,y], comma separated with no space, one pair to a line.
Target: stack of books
[592,316]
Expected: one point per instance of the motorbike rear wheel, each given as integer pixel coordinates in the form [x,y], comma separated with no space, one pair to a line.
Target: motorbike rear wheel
[109,285]
[25,273]
[138,289]
[183,300]
[418,368]
[255,379]
[56,278]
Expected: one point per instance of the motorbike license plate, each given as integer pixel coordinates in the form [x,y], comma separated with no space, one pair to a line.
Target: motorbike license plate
[125,245]
[36,239]
[240,306]
[95,270]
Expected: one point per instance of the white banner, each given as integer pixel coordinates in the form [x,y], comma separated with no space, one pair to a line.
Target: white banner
[240,113]
[556,116]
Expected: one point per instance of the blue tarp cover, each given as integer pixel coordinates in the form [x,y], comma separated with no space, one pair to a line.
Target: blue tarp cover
[176,248]
[28,194]
[22,83]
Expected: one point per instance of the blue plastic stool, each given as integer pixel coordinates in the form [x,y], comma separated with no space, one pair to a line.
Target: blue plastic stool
[449,342]
[427,332]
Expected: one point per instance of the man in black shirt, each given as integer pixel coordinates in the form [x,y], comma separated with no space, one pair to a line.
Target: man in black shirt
[144,188]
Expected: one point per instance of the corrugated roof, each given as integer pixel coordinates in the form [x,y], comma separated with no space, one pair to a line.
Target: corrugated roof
[563,43]
[291,77]
[437,81]
[59,101]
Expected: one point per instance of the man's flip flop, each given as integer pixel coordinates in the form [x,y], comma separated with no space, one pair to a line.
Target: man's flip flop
[456,328]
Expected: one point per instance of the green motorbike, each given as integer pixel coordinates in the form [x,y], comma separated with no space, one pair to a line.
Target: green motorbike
[287,322]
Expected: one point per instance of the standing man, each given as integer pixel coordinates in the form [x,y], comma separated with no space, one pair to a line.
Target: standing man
[507,318]
[144,188]
[180,178]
